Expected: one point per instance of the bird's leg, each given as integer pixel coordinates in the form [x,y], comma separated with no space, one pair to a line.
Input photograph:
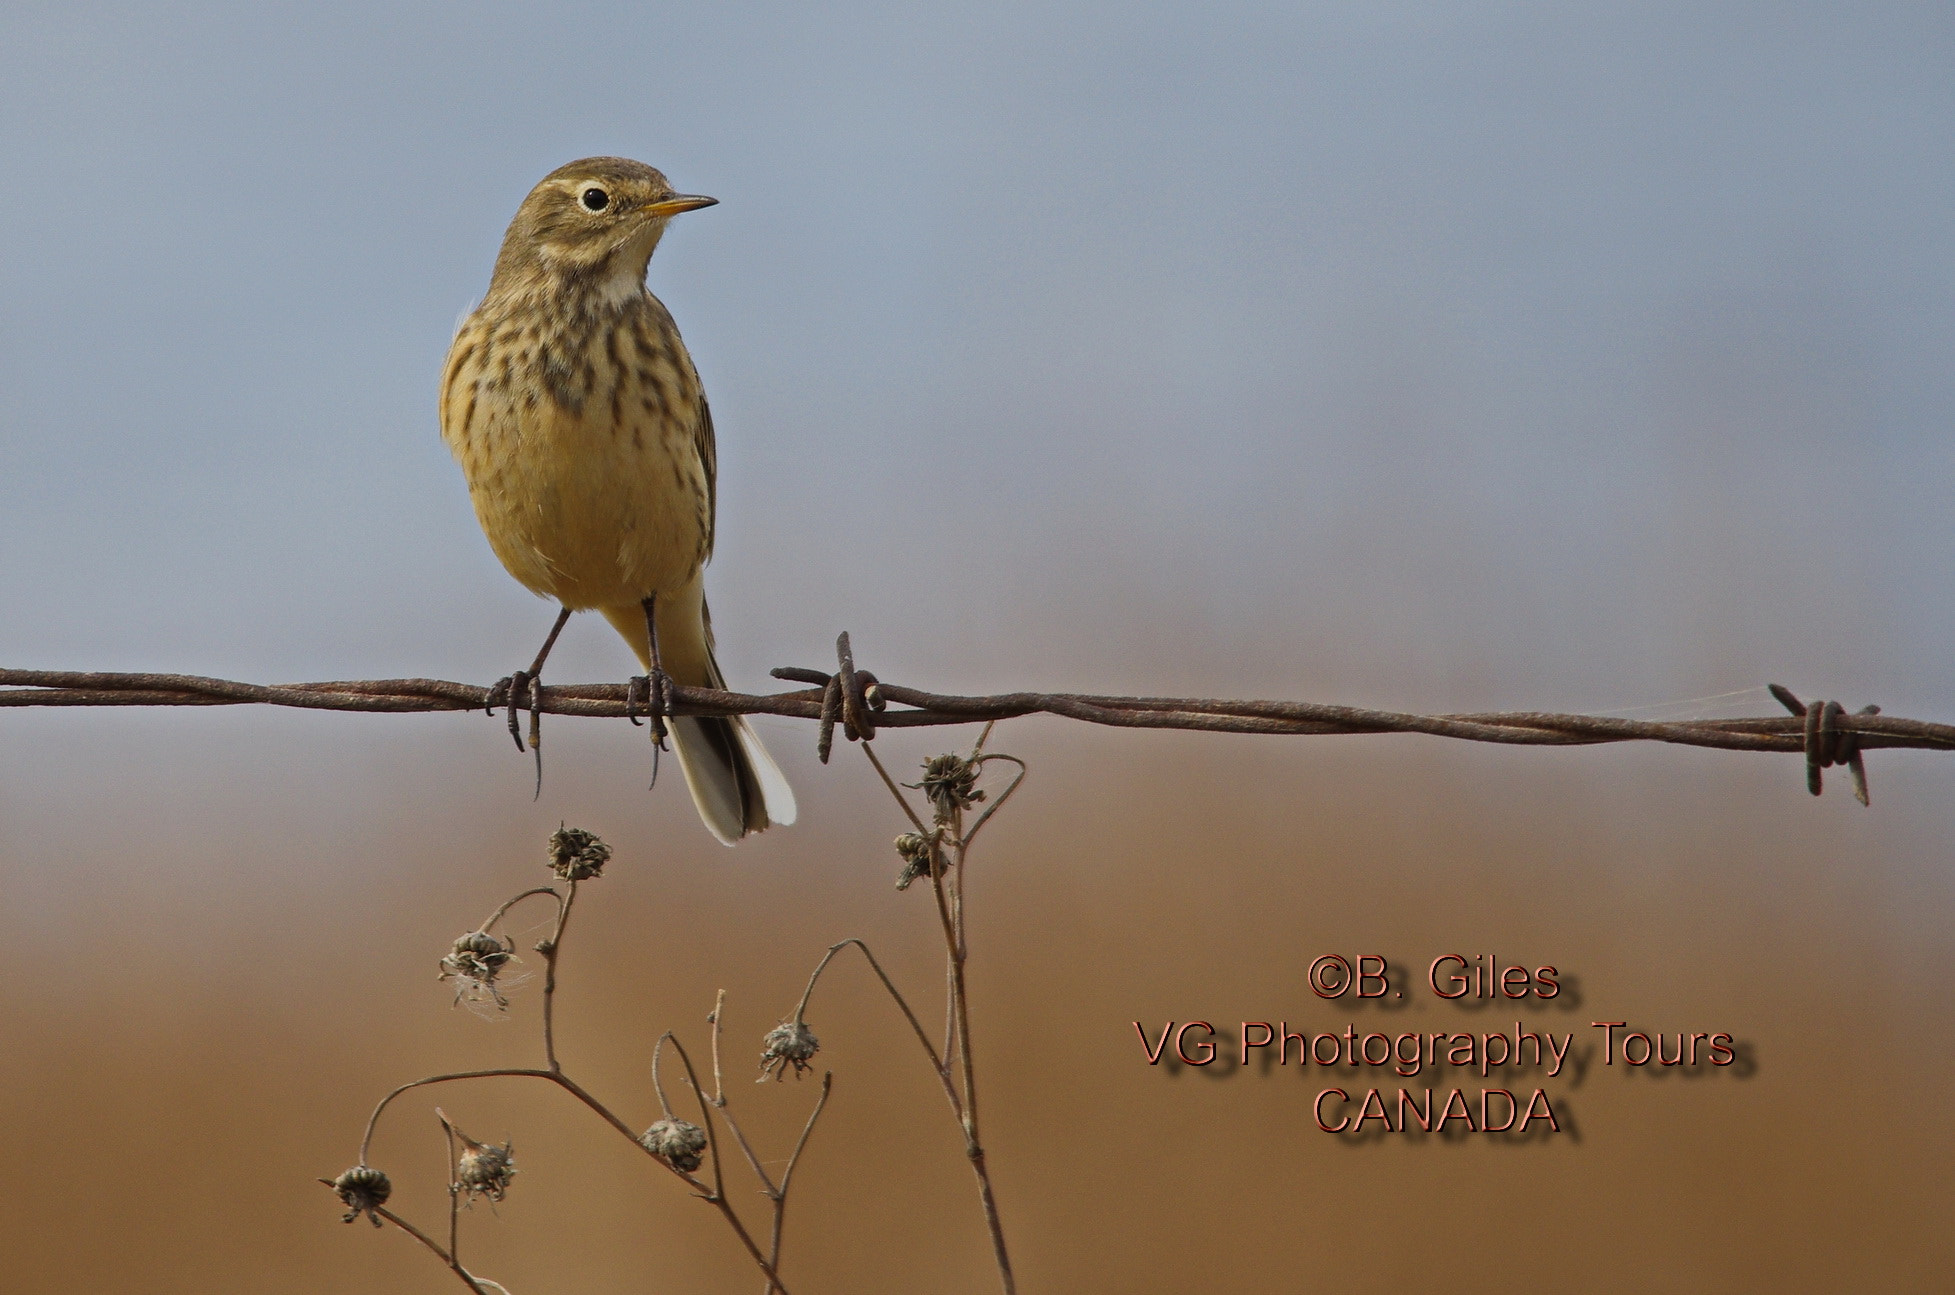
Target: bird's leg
[653,691]
[524,689]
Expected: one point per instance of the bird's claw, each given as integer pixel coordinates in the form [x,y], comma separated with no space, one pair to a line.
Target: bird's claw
[650,695]
[516,692]
[653,694]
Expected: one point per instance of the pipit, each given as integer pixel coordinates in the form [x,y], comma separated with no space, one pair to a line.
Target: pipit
[578,419]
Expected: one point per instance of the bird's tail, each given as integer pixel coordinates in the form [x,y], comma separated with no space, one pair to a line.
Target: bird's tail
[735,784]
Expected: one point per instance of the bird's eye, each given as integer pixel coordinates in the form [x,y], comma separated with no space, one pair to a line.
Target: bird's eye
[595,199]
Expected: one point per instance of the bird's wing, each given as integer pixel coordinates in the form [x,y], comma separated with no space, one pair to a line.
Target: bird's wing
[709,461]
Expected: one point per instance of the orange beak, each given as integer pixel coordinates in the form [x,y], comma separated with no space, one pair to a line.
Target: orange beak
[677,203]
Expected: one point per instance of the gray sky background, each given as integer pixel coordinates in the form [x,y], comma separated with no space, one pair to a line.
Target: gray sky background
[1426,355]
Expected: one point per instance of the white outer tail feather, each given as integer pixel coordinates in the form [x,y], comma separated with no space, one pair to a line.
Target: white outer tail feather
[715,786]
[775,794]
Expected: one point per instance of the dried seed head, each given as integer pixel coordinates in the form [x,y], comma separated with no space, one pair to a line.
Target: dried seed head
[788,1044]
[363,1189]
[474,963]
[577,855]
[915,851]
[950,781]
[484,1170]
[477,953]
[676,1142]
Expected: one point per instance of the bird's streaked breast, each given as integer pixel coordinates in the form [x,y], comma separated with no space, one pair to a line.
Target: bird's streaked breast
[579,431]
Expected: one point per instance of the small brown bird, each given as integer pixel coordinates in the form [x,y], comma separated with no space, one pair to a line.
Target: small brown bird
[578,419]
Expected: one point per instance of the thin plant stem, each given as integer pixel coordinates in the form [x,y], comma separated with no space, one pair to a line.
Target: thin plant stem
[719,1099]
[556,1077]
[1003,796]
[719,1084]
[939,1063]
[552,1071]
[775,1193]
[894,790]
[753,1161]
[716,1020]
[947,884]
[447,1259]
[550,952]
[787,1174]
[718,1197]
[908,1015]
[571,1086]
[940,890]
[504,907]
[959,955]
[779,1194]
[658,1085]
[454,1190]
[719,1103]
[705,1115]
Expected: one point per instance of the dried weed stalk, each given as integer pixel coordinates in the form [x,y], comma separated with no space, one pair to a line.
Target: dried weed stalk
[937,850]
[476,962]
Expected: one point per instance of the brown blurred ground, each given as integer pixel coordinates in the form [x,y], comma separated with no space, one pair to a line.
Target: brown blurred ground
[223,930]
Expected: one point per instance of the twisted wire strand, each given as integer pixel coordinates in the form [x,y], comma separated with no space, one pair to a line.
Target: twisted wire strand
[1826,733]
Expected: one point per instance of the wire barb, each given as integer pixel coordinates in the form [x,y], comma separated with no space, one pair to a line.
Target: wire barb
[849,695]
[855,685]
[1827,743]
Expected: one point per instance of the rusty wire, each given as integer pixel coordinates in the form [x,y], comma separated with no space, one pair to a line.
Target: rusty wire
[1825,732]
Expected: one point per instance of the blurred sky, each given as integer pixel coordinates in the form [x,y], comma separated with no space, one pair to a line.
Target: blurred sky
[1430,354]
[1435,356]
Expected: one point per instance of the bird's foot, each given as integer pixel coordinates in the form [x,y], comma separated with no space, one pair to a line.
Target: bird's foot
[517,692]
[651,696]
[651,693]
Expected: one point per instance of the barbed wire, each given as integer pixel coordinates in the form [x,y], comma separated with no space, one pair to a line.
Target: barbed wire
[1825,732]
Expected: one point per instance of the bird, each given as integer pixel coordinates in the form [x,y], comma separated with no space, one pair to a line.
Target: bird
[579,422]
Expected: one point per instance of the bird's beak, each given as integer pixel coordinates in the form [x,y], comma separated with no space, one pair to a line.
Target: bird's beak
[677,203]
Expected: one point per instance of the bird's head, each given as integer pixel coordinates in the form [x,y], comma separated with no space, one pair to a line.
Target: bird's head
[598,218]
